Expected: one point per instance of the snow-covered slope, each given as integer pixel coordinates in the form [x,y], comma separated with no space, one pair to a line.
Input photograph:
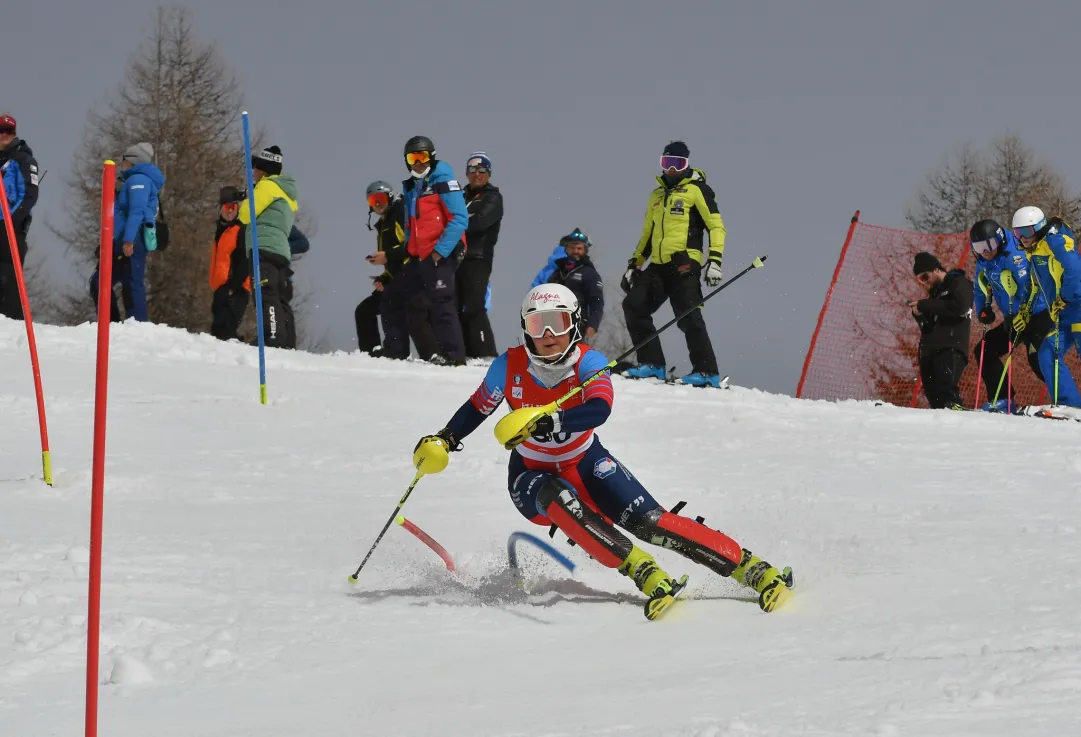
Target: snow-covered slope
[934,555]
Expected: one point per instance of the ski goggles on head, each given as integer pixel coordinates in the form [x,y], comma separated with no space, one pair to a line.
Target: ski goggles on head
[1028,231]
[555,321]
[985,248]
[378,198]
[679,163]
[421,157]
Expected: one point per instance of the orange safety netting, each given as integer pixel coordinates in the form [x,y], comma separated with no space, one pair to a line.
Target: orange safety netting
[865,344]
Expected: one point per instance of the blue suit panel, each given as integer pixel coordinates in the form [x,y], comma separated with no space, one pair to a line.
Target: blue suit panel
[1006,279]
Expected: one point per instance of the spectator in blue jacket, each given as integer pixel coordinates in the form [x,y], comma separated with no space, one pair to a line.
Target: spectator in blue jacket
[576,272]
[545,274]
[134,214]
[1003,278]
[1056,277]
[19,176]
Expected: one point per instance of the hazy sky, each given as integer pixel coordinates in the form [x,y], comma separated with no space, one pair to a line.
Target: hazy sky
[800,113]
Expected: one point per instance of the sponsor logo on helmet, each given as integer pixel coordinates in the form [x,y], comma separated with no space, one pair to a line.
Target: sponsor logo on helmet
[545,297]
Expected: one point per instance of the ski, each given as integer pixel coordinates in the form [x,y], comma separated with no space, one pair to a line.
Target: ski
[658,605]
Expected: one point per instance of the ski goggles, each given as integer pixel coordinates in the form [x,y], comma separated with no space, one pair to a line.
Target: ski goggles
[556,322]
[7,131]
[1028,231]
[679,163]
[418,157]
[477,169]
[985,248]
[378,198]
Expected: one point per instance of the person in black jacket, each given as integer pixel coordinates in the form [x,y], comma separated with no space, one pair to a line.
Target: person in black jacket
[945,320]
[485,205]
[19,177]
[577,273]
[387,302]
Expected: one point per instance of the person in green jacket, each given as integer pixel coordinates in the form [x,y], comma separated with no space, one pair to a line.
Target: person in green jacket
[276,205]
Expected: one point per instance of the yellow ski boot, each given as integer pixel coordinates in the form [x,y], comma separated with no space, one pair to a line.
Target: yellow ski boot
[772,585]
[652,581]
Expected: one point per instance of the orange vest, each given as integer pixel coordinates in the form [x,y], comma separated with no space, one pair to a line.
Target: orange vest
[221,254]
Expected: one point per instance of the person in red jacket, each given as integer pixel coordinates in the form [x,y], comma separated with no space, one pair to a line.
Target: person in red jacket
[435,222]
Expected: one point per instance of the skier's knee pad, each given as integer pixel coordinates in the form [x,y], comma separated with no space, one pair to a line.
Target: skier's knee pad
[551,490]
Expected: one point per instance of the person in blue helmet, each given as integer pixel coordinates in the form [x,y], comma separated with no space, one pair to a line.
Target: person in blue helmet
[1056,277]
[1003,278]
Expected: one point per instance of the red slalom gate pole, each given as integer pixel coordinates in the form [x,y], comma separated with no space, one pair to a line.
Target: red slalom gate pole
[46,458]
[97,484]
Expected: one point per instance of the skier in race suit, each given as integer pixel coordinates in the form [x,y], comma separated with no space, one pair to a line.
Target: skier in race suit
[560,474]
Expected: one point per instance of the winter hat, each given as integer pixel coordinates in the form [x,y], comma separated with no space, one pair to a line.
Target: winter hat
[268,160]
[229,195]
[6,121]
[140,153]
[677,148]
[479,158]
[925,262]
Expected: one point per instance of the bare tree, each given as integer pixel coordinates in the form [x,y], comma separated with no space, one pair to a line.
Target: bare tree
[179,95]
[971,185]
[612,338]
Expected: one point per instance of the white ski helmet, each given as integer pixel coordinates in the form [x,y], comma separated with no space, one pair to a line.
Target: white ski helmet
[1028,221]
[551,308]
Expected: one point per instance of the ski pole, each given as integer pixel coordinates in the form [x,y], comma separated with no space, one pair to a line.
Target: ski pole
[979,376]
[393,517]
[510,429]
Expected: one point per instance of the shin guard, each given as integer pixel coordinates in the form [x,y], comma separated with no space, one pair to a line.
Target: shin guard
[691,539]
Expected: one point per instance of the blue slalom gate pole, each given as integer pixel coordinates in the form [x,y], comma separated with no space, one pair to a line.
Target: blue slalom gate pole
[512,552]
[256,283]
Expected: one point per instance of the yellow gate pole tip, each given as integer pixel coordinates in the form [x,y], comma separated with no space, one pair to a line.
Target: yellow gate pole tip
[110,162]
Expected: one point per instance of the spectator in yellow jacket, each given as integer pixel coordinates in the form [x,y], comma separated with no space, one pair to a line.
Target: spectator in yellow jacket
[682,209]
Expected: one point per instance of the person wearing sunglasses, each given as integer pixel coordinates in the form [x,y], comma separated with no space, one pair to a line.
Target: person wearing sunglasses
[1056,278]
[19,177]
[485,205]
[681,210]
[436,219]
[1003,278]
[387,303]
[229,280]
[559,474]
[945,320]
[135,207]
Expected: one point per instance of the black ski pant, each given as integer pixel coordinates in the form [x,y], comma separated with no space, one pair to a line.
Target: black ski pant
[10,303]
[941,375]
[996,344]
[403,318]
[472,280]
[227,311]
[366,317]
[429,287]
[650,290]
[122,283]
[276,285]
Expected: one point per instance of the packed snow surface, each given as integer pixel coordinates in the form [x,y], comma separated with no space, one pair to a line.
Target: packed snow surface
[935,556]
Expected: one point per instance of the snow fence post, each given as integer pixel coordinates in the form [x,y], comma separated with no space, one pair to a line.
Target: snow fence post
[97,483]
[35,366]
[257,286]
